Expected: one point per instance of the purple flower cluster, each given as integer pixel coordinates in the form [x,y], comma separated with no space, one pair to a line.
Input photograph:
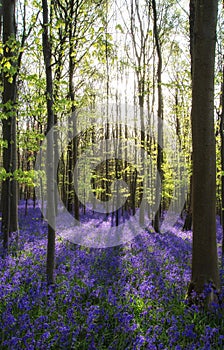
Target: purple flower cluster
[126,297]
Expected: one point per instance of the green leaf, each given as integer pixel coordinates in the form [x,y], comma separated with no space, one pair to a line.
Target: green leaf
[119,27]
[7,65]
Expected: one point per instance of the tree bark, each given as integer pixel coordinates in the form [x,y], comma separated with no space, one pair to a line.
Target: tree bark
[222,156]
[72,122]
[157,219]
[50,147]
[204,259]
[188,220]
[9,186]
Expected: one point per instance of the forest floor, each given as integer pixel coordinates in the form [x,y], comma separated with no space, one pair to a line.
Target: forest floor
[130,296]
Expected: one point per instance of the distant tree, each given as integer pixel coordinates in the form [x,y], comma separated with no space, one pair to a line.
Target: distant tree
[141,41]
[76,31]
[204,260]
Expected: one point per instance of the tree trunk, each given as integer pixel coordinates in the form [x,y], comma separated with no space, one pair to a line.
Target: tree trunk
[222,156]
[50,148]
[157,219]
[204,259]
[188,220]
[9,186]
[73,145]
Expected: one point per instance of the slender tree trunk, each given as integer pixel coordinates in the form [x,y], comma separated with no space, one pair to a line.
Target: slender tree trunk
[75,153]
[188,220]
[50,147]
[142,199]
[73,145]
[204,259]
[222,155]
[57,78]
[93,179]
[125,144]
[107,131]
[157,219]
[9,186]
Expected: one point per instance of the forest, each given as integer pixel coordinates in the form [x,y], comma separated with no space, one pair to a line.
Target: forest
[111,175]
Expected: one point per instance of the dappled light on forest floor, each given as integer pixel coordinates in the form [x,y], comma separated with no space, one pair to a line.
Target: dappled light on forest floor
[130,296]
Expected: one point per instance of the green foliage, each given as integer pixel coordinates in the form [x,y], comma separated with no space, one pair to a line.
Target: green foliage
[9,58]
[3,143]
[25,177]
[100,44]
[3,174]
